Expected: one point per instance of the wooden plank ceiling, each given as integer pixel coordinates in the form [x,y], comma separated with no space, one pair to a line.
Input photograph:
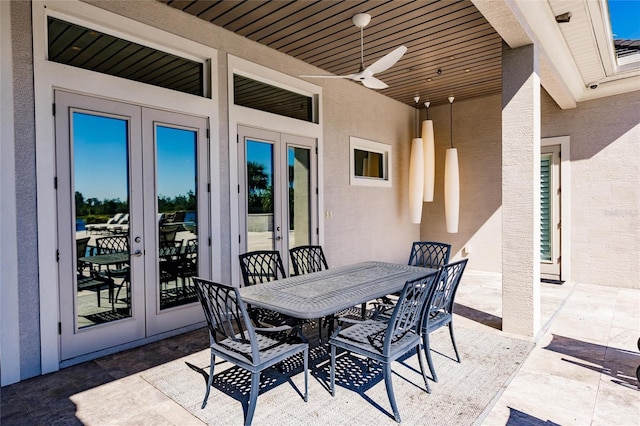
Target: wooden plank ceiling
[452,49]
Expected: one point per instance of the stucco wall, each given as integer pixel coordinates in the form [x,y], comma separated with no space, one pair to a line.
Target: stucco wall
[605,186]
[25,181]
[477,135]
[366,223]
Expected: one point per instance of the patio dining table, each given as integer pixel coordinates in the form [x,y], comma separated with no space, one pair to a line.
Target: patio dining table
[323,293]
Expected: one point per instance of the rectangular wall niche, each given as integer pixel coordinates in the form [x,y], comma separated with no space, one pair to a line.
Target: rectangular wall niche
[370,163]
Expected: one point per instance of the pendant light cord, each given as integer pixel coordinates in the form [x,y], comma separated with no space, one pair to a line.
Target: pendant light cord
[451,119]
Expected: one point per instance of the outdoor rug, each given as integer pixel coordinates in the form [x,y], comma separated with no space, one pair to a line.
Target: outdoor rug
[460,396]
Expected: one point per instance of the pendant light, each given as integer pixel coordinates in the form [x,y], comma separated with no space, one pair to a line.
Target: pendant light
[428,148]
[416,173]
[451,181]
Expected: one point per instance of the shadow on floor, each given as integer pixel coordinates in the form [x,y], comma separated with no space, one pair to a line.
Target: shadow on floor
[620,364]
[519,418]
[478,316]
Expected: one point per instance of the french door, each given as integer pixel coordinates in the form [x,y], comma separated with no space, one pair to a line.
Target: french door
[550,259]
[278,181]
[132,213]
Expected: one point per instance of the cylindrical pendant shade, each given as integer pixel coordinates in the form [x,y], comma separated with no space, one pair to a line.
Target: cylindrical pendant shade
[429,159]
[416,180]
[451,190]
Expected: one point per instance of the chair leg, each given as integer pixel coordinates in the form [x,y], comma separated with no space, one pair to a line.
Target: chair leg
[424,375]
[453,340]
[390,394]
[427,352]
[253,398]
[332,382]
[306,375]
[209,381]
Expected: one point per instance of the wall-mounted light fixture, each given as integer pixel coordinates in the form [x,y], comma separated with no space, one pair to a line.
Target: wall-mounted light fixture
[429,156]
[451,181]
[416,173]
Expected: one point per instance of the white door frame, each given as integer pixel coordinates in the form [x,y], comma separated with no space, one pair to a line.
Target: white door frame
[565,200]
[239,115]
[49,76]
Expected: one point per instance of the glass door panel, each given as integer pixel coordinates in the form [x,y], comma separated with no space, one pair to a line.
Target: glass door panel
[299,164]
[177,215]
[278,203]
[260,196]
[101,182]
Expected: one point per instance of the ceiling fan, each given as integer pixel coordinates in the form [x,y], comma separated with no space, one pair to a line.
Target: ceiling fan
[366,75]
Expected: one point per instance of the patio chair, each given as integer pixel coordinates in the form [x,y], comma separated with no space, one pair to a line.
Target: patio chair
[386,341]
[427,254]
[308,259]
[234,339]
[440,312]
[169,259]
[262,266]
[81,250]
[115,244]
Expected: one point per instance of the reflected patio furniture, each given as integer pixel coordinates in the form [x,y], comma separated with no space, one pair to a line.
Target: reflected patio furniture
[234,339]
[81,251]
[120,226]
[386,341]
[263,266]
[440,312]
[102,227]
[96,282]
[116,244]
[169,258]
[168,232]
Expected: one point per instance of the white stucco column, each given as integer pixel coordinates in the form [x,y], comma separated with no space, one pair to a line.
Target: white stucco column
[520,190]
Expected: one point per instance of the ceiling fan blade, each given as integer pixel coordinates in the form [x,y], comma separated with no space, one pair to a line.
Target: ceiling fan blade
[374,83]
[325,76]
[386,61]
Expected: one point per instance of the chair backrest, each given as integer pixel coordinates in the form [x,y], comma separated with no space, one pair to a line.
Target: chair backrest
[81,247]
[170,250]
[115,219]
[112,244]
[408,312]
[447,287]
[229,325]
[261,266]
[307,259]
[429,254]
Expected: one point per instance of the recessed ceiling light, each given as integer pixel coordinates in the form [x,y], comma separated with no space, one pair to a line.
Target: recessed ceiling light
[76,48]
[429,79]
[467,70]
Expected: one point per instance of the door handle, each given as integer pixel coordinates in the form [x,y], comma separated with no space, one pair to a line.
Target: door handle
[137,253]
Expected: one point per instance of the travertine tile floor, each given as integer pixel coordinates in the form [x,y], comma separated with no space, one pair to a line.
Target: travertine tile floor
[581,372]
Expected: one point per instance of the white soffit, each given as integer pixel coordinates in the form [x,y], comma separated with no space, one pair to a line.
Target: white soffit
[573,55]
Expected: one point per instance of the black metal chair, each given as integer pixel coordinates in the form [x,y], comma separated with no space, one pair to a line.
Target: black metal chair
[429,254]
[263,266]
[307,259]
[234,339]
[440,312]
[115,244]
[386,341]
